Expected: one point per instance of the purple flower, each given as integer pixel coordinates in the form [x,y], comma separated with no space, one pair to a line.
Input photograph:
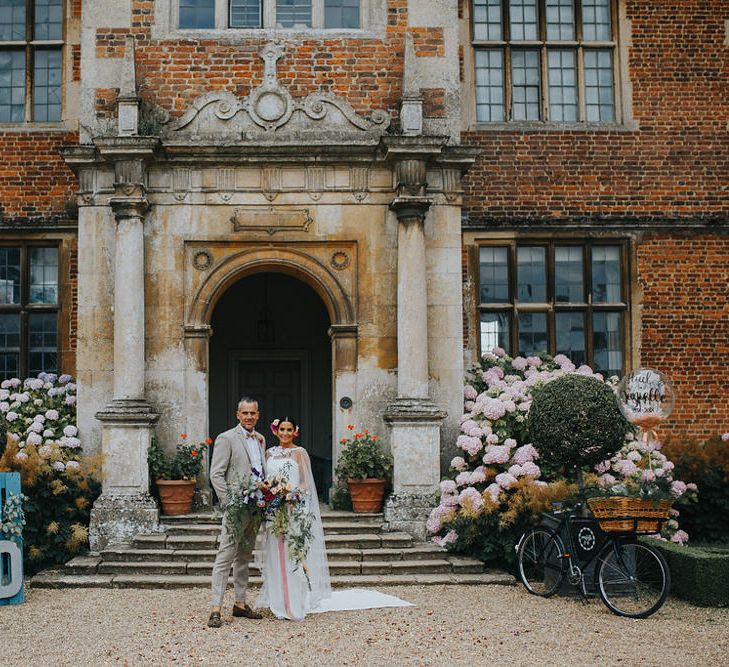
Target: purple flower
[531,469]
[469,392]
[680,537]
[70,431]
[448,487]
[678,488]
[725,437]
[58,465]
[463,478]
[524,454]
[499,351]
[519,363]
[496,454]
[52,415]
[458,464]
[505,480]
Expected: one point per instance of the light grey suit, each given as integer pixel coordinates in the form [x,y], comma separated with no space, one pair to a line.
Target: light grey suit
[231,462]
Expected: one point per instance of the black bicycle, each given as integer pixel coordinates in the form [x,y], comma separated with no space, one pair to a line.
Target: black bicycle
[631,577]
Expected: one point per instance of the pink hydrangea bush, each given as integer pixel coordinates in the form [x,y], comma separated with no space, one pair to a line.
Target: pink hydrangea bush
[498,462]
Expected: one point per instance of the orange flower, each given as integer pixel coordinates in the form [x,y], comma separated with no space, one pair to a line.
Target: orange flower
[183,435]
[350,427]
[208,441]
[366,431]
[343,441]
[357,436]
[375,438]
[193,452]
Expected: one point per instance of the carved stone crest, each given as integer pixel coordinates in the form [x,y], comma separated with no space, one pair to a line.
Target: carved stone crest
[272,115]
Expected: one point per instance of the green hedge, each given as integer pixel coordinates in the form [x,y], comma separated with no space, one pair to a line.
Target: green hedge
[699,574]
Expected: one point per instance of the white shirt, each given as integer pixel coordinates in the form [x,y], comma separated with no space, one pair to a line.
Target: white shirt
[253,448]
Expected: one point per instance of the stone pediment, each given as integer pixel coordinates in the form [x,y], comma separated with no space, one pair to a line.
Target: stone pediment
[271,115]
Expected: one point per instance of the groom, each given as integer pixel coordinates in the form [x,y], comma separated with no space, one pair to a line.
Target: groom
[238,453]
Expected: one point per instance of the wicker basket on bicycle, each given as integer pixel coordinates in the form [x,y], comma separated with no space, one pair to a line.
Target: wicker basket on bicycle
[625,514]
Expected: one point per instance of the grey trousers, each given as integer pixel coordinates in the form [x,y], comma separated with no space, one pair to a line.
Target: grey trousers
[236,554]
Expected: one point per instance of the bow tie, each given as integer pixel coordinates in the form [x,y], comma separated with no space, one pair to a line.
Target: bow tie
[249,434]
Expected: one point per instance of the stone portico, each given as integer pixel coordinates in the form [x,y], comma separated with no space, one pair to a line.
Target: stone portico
[370,220]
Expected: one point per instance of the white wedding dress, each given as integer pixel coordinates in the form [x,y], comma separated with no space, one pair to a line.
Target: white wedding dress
[285,589]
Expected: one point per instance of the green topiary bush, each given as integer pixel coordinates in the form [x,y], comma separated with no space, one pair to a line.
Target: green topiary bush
[575,423]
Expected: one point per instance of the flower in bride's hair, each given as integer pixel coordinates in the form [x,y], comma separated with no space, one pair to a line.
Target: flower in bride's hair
[274,425]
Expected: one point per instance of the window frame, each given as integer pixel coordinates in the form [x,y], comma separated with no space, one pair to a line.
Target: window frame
[30,46]
[24,308]
[551,307]
[543,45]
[268,19]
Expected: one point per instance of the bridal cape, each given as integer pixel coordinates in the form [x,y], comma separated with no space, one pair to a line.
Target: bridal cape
[285,589]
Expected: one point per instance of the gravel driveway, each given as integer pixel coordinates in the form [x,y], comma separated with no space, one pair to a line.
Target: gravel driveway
[450,625]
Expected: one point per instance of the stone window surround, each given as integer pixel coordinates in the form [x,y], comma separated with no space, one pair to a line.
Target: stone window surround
[624,120]
[474,241]
[373,19]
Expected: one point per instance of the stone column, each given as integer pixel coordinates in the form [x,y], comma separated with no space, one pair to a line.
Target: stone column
[414,419]
[125,506]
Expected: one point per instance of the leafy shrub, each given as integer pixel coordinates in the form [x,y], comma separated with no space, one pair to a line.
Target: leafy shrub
[40,440]
[574,422]
[699,574]
[60,491]
[706,465]
[497,486]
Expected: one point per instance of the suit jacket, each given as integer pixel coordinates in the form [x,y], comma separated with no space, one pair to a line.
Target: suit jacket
[231,461]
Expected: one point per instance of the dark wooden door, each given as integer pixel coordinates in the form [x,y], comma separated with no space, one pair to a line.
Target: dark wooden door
[277,384]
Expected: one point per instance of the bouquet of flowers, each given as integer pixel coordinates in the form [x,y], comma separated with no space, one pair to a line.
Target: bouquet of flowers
[289,518]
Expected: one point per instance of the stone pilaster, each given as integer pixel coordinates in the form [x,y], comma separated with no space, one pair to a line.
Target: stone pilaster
[125,506]
[415,421]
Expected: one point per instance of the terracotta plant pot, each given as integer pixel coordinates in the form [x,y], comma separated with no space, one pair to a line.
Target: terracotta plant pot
[175,495]
[367,494]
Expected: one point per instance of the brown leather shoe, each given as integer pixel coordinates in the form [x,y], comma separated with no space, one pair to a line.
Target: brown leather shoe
[215,621]
[246,612]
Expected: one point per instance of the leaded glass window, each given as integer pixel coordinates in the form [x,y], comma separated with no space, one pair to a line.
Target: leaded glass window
[29,310]
[545,60]
[555,296]
[31,41]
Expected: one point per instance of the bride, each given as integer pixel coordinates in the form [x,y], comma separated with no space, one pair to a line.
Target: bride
[292,590]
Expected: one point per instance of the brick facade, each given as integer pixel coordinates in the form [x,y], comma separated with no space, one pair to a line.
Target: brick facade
[367,72]
[667,168]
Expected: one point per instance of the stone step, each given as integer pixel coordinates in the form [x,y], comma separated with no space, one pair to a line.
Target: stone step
[331,528]
[125,553]
[327,516]
[61,579]
[348,541]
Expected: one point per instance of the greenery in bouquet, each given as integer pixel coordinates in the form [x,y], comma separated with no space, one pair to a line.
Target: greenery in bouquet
[497,485]
[40,440]
[246,505]
[362,457]
[186,463]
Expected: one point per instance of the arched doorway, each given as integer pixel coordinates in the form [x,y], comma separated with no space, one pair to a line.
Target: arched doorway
[269,340]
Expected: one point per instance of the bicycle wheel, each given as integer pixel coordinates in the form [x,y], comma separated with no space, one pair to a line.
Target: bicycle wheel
[541,566]
[633,579]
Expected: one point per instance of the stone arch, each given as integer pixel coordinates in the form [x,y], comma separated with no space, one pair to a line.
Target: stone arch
[296,263]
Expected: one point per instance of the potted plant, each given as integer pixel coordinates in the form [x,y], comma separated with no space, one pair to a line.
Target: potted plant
[366,468]
[176,476]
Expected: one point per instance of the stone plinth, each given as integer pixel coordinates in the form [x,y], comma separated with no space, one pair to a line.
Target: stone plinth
[118,518]
[415,442]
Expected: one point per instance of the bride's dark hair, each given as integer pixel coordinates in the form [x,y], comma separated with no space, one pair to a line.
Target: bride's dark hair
[278,420]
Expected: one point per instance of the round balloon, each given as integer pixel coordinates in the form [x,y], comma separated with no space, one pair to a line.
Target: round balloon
[646,397]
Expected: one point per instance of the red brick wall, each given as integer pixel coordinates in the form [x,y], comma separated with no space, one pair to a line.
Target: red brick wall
[685,327]
[172,73]
[35,183]
[675,166]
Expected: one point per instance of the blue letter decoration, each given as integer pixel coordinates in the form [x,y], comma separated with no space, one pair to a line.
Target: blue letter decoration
[11,542]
